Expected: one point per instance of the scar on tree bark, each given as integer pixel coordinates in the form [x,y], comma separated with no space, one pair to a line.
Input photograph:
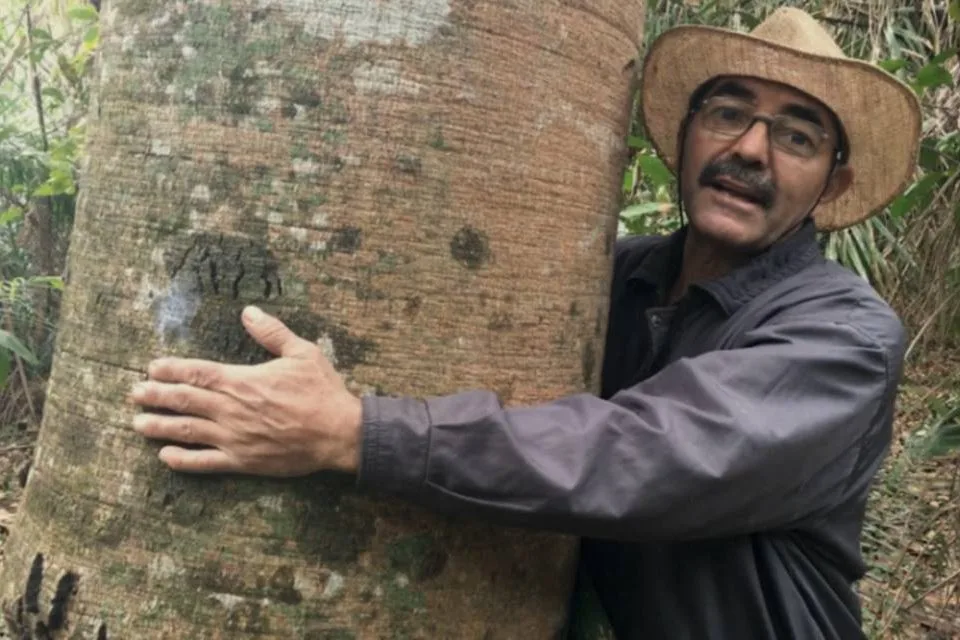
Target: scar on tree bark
[25,620]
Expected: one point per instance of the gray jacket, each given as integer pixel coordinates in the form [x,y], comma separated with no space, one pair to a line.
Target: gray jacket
[720,479]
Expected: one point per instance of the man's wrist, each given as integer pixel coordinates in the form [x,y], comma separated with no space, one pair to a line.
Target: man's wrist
[393,444]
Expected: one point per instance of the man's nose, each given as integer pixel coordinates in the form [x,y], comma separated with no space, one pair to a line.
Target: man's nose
[753,145]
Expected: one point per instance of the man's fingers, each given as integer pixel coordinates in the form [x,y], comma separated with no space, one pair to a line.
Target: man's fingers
[198,373]
[178,398]
[196,461]
[272,334]
[185,429]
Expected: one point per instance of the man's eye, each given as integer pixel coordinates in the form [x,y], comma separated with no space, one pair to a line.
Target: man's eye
[730,114]
[799,139]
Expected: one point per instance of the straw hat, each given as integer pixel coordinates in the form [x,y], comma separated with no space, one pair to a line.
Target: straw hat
[880,114]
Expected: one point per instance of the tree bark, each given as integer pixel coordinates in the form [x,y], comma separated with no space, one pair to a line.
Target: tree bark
[428,189]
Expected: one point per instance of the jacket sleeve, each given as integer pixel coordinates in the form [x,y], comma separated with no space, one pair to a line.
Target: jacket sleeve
[755,438]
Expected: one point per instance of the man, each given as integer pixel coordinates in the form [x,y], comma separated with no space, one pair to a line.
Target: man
[720,480]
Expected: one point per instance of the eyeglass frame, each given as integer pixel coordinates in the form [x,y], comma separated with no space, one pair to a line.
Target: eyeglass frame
[838,156]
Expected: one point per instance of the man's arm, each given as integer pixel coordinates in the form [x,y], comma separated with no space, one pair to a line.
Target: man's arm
[728,442]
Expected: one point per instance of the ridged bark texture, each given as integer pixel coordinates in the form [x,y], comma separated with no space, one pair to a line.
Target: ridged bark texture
[428,188]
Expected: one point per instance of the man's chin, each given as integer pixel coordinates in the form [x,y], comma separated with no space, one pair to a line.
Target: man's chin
[732,230]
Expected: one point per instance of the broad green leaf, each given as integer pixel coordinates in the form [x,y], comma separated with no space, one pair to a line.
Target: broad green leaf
[892,64]
[54,282]
[955,10]
[53,93]
[644,209]
[932,75]
[6,363]
[655,170]
[945,440]
[943,56]
[900,206]
[638,142]
[11,343]
[749,20]
[92,36]
[40,35]
[930,154]
[83,13]
[916,194]
[12,214]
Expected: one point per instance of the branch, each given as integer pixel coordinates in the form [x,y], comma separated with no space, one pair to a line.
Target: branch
[37,93]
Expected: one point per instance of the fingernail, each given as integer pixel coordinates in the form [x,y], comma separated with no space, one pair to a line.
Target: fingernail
[138,390]
[254,314]
[139,422]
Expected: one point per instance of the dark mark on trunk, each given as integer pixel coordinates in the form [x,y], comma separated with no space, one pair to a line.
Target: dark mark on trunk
[470,247]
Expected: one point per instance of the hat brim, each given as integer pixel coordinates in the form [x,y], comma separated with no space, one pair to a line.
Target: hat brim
[880,115]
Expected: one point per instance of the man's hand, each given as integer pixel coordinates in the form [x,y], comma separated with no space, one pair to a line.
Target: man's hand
[288,417]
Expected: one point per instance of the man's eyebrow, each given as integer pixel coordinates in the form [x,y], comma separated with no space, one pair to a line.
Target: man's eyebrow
[735,90]
[804,113]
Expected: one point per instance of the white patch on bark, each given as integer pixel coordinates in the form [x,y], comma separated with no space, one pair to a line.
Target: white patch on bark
[606,141]
[307,582]
[268,104]
[319,220]
[162,567]
[146,293]
[263,69]
[358,21]
[327,349]
[305,167]
[591,239]
[275,217]
[333,587]
[162,20]
[402,581]
[228,600]
[384,77]
[188,52]
[201,192]
[271,503]
[125,489]
[159,148]
[299,233]
[175,309]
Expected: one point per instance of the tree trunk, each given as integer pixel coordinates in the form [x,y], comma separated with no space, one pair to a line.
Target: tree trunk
[428,189]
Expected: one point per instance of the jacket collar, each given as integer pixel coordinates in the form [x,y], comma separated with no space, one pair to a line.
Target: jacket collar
[660,267]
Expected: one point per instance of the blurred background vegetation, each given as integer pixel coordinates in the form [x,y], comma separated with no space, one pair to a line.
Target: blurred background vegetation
[910,253]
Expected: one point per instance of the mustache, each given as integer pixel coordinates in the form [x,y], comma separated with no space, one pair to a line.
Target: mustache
[761,187]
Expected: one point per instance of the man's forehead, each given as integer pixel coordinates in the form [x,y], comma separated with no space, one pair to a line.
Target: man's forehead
[750,87]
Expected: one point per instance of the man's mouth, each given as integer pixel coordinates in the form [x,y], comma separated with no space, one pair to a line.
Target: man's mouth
[739,190]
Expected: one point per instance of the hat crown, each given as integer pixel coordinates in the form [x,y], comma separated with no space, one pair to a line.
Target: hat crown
[789,27]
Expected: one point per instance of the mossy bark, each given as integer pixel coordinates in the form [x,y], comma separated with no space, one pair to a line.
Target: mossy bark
[429,190]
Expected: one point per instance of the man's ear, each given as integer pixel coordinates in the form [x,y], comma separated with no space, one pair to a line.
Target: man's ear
[840,181]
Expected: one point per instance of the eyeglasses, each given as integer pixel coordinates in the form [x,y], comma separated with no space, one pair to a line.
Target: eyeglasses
[732,117]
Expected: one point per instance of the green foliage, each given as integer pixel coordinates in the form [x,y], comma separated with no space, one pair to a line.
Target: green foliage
[942,437]
[44,92]
[648,188]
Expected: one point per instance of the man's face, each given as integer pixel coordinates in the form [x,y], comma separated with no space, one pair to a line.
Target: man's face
[745,190]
